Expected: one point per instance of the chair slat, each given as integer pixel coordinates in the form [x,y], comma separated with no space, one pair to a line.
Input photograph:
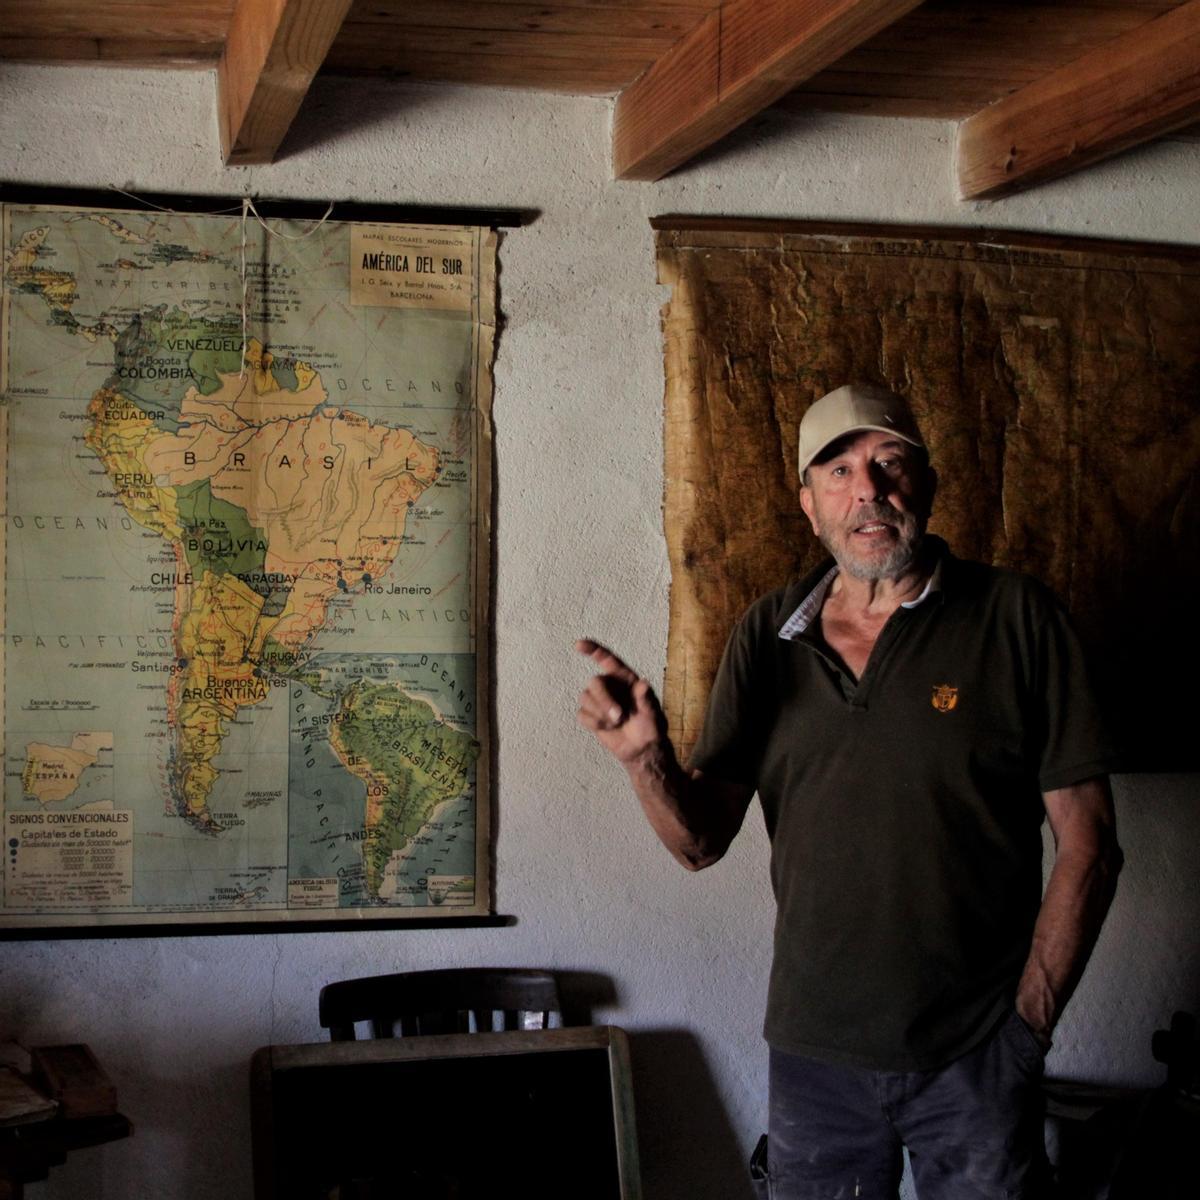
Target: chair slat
[424,1002]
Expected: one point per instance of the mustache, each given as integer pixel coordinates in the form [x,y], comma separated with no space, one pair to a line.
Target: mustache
[883,514]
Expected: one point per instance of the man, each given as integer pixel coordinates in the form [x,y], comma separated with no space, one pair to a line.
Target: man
[907,719]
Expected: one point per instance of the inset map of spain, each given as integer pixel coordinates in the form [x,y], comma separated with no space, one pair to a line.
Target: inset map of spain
[245,567]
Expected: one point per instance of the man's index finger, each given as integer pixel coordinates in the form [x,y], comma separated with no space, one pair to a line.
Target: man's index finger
[606,660]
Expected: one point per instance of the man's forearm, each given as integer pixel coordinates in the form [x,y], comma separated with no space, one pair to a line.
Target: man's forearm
[1077,898]
[694,816]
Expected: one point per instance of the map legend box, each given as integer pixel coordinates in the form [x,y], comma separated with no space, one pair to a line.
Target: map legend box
[68,860]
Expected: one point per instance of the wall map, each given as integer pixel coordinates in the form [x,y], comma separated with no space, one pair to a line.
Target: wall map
[247,474]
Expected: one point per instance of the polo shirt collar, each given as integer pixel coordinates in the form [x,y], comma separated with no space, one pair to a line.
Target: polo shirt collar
[809,608]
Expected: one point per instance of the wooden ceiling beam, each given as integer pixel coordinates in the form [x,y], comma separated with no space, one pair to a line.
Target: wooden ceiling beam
[742,57]
[1139,86]
[272,51]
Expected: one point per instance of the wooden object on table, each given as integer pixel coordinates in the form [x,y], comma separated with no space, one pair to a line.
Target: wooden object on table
[72,1076]
[14,1056]
[27,1152]
[20,1103]
[81,1111]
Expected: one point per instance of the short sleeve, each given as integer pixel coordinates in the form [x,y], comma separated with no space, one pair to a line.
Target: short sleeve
[1076,743]
[730,744]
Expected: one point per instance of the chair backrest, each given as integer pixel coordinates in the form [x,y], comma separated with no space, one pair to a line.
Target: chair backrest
[462,1000]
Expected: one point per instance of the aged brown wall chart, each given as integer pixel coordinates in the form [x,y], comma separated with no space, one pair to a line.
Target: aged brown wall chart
[1056,380]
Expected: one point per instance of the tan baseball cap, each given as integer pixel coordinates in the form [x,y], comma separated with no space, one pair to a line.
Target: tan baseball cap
[852,408]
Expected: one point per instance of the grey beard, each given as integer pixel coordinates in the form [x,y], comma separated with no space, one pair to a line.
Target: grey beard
[901,556]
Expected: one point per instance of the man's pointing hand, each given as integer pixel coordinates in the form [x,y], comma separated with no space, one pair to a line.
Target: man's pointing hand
[619,706]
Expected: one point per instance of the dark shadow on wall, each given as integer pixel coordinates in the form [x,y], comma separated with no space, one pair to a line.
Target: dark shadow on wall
[334,115]
[191,1138]
[1146,965]
[1120,1124]
[338,108]
[582,992]
[687,1144]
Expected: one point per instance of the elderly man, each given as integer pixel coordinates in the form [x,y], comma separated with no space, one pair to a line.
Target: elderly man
[907,720]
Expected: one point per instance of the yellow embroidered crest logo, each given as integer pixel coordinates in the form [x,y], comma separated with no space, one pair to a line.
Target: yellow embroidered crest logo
[945,697]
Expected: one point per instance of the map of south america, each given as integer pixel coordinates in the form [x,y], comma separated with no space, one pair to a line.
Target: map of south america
[410,763]
[305,530]
[273,502]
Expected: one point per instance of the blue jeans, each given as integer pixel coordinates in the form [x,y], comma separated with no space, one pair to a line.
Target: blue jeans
[973,1128]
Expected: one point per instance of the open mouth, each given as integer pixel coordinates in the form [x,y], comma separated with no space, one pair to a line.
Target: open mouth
[874,528]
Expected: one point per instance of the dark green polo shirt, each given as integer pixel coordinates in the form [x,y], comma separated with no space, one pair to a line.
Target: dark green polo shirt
[904,809]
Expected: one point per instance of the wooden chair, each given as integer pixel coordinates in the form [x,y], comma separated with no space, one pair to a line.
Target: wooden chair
[461,1000]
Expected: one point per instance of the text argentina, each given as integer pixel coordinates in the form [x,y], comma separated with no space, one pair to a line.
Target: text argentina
[228,689]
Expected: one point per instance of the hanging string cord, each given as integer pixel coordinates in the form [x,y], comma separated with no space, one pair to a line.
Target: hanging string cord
[216,212]
[316,224]
[245,288]
[247,209]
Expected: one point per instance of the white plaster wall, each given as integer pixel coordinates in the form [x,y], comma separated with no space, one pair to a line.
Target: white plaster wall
[579,550]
